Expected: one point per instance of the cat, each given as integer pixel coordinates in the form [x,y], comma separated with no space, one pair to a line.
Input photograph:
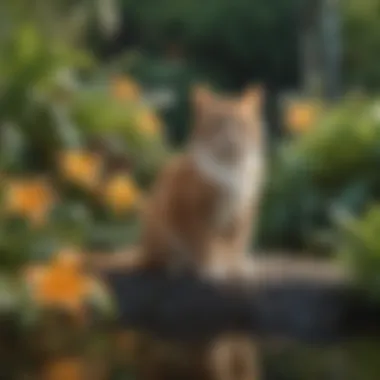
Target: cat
[202,208]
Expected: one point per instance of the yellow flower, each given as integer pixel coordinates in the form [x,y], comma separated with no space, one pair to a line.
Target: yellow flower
[80,167]
[60,284]
[300,117]
[29,198]
[148,122]
[124,88]
[121,193]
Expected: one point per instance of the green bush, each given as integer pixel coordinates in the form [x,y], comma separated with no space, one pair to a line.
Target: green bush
[332,166]
[359,248]
[60,113]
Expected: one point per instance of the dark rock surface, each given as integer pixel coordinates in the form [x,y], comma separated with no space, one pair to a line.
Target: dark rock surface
[309,309]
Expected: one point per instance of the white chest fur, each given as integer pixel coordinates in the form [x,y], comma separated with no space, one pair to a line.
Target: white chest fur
[239,184]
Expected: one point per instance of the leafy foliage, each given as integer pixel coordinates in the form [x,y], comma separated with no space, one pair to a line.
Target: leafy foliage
[77,148]
[359,248]
[361,41]
[232,42]
[334,166]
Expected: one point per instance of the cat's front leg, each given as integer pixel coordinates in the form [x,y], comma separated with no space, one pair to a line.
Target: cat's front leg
[218,265]
[227,259]
[214,267]
[237,257]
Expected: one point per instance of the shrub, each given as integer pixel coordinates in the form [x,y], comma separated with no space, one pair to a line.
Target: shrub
[334,165]
[359,248]
[77,149]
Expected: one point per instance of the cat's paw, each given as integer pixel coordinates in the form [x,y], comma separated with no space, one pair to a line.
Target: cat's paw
[243,269]
[216,272]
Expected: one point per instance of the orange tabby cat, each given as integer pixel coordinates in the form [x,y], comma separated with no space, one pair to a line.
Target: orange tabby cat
[201,210]
[203,206]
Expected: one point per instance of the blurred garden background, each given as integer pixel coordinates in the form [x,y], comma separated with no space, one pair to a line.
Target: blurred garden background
[95,99]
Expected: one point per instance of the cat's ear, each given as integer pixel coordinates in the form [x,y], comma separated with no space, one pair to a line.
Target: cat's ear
[201,96]
[252,99]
